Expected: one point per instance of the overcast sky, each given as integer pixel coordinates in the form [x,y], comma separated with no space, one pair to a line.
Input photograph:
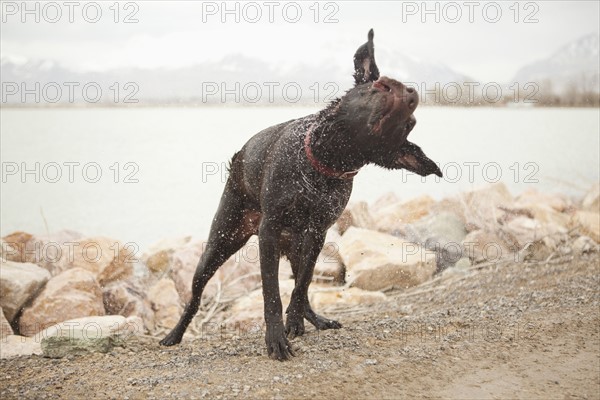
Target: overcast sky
[171,34]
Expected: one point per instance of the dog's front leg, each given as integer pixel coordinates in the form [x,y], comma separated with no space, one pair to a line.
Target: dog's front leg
[278,347]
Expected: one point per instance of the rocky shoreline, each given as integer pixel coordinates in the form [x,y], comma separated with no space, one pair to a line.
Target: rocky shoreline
[64,293]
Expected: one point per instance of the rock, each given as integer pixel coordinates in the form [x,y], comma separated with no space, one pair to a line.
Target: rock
[55,251]
[324,298]
[19,284]
[584,245]
[15,346]
[588,223]
[71,294]
[442,233]
[329,267]
[86,335]
[247,312]
[94,327]
[5,328]
[14,247]
[393,217]
[482,206]
[542,213]
[106,258]
[52,252]
[166,303]
[482,246]
[527,230]
[386,200]
[463,264]
[375,260]
[591,201]
[357,215]
[158,256]
[183,263]
[128,299]
[532,197]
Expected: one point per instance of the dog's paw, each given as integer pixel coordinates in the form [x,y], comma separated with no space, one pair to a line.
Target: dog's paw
[170,340]
[278,346]
[294,328]
[322,323]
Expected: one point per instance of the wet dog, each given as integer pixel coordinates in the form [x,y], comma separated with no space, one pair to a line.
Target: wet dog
[290,183]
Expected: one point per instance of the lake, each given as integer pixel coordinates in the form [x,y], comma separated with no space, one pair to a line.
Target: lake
[143,174]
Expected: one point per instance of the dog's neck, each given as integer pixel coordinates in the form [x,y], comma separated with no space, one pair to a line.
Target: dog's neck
[328,148]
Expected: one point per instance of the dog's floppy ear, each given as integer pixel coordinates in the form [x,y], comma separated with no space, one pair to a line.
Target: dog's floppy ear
[413,159]
[365,69]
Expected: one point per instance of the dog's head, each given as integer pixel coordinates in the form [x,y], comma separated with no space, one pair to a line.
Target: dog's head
[379,111]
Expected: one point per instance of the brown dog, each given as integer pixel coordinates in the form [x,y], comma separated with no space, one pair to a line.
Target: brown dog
[290,183]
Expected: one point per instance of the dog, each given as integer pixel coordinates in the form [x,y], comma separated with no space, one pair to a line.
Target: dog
[290,183]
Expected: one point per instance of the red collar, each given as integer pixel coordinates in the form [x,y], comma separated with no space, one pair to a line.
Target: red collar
[323,169]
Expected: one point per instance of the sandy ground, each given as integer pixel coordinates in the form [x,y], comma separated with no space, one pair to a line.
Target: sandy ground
[513,331]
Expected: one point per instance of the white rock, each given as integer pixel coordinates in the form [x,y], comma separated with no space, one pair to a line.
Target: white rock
[588,223]
[393,217]
[19,284]
[72,294]
[166,303]
[375,260]
[15,346]
[591,201]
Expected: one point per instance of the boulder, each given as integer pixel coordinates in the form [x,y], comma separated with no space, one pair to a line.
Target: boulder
[527,230]
[386,200]
[5,328]
[55,251]
[584,245]
[588,223]
[441,232]
[375,260]
[19,284]
[128,299]
[182,266]
[158,257]
[14,247]
[16,346]
[86,335]
[329,266]
[166,304]
[248,310]
[393,217]
[357,215]
[532,197]
[106,258]
[484,246]
[71,294]
[52,251]
[483,206]
[591,201]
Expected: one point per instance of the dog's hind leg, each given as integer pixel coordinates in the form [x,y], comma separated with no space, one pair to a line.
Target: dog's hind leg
[231,228]
[303,257]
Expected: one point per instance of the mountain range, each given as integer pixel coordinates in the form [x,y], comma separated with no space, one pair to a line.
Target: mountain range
[241,79]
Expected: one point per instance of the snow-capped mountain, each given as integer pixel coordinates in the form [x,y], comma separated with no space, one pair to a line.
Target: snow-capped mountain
[575,65]
[235,73]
